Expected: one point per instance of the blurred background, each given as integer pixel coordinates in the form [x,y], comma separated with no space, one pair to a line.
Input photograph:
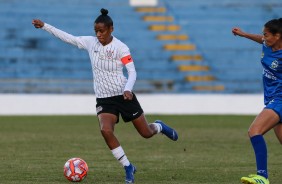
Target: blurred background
[179,46]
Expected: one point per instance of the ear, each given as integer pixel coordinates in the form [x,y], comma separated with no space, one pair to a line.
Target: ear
[278,36]
[112,29]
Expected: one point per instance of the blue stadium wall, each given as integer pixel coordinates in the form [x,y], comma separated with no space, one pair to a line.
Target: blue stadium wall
[178,47]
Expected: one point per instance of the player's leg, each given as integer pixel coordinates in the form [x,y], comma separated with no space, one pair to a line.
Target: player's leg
[132,111]
[265,121]
[144,129]
[278,132]
[276,105]
[148,130]
[107,123]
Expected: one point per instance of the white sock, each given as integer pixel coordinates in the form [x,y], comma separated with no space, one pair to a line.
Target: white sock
[158,127]
[120,156]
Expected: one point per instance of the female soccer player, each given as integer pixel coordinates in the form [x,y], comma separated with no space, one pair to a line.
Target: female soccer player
[113,90]
[271,116]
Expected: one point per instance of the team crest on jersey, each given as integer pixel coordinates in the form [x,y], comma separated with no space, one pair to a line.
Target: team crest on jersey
[106,56]
[109,54]
[274,64]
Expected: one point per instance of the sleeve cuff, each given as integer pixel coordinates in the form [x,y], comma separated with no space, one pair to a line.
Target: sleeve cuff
[46,26]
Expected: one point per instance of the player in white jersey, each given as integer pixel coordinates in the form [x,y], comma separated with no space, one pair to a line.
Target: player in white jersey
[113,90]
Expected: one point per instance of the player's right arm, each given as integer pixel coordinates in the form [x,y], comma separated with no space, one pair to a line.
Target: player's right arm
[66,37]
[255,37]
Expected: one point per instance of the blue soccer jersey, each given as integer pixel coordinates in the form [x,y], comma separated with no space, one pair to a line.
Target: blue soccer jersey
[272,73]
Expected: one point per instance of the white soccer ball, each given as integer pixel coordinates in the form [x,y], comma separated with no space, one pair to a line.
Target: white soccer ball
[75,169]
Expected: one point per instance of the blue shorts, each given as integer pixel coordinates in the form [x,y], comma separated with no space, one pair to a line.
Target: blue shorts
[276,106]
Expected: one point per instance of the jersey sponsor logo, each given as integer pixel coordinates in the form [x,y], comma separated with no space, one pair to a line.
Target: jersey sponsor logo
[101,56]
[268,74]
[108,55]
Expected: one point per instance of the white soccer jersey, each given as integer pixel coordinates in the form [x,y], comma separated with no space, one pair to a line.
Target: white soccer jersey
[107,62]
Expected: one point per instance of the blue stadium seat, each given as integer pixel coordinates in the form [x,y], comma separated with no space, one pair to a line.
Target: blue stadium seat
[31,61]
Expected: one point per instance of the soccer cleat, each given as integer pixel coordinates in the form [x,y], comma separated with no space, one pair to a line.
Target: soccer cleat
[254,179]
[169,132]
[129,172]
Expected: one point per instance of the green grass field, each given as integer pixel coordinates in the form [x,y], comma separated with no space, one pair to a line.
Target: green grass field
[210,150]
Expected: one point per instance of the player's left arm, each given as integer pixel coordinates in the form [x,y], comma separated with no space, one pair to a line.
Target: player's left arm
[132,75]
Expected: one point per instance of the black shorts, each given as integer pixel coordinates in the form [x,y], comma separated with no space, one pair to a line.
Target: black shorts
[128,109]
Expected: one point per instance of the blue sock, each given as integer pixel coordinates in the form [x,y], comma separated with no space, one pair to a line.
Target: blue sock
[260,150]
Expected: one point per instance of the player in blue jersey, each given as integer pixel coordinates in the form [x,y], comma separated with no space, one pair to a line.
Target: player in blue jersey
[271,116]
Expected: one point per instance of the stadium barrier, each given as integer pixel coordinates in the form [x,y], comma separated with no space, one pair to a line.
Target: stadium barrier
[41,104]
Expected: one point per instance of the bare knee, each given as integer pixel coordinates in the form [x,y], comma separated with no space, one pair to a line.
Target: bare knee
[107,132]
[264,122]
[255,130]
[253,133]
